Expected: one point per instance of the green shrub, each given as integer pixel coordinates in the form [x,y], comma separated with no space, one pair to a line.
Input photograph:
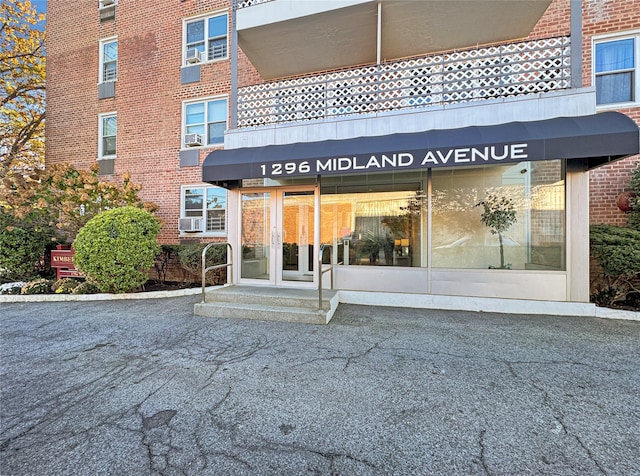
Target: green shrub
[633,217]
[85,287]
[38,286]
[22,248]
[617,251]
[191,259]
[163,260]
[116,248]
[65,285]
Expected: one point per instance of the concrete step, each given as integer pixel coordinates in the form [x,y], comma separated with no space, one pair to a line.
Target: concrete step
[261,312]
[269,304]
[272,296]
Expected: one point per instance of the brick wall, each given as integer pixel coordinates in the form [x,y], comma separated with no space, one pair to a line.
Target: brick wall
[600,17]
[148,98]
[606,183]
[149,94]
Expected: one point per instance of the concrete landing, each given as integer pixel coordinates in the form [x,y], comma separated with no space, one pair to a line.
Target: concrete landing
[269,304]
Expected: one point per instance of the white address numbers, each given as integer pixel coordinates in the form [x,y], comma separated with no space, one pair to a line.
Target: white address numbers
[286,168]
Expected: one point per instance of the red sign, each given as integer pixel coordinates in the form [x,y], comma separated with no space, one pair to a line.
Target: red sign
[62,260]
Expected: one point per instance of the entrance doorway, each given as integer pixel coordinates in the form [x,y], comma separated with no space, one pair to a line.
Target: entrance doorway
[277,229]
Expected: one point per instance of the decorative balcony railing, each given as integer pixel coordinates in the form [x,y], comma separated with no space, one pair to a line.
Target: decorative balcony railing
[249,3]
[498,71]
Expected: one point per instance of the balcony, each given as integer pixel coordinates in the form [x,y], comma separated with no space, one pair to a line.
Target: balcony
[285,38]
[479,74]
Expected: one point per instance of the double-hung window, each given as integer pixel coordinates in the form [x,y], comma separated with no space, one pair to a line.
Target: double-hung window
[107,133]
[206,203]
[108,60]
[616,70]
[204,122]
[208,36]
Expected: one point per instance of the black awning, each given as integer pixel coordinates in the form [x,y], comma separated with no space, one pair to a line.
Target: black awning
[598,138]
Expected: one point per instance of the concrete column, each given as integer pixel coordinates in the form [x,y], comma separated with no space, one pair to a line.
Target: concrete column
[234,68]
[577,223]
[576,44]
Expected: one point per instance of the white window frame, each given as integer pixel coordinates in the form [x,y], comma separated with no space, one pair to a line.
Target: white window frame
[101,118]
[206,39]
[598,39]
[101,68]
[101,7]
[205,187]
[205,135]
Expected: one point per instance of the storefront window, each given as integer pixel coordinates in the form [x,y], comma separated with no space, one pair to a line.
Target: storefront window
[532,238]
[375,220]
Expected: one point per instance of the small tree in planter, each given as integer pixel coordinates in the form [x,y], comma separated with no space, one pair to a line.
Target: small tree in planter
[498,215]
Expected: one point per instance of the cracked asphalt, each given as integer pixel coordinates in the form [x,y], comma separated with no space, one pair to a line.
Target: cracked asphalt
[144,387]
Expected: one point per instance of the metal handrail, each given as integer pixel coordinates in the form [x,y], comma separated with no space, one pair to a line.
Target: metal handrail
[218,266]
[322,271]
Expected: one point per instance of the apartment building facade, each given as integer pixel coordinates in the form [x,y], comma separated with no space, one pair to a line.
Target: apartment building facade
[377,131]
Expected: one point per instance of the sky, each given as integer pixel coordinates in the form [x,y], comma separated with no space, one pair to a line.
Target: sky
[41,5]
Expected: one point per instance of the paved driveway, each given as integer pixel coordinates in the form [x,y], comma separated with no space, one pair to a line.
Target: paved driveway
[144,387]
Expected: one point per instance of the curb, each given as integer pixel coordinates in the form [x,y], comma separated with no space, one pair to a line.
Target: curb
[101,296]
[607,313]
[591,310]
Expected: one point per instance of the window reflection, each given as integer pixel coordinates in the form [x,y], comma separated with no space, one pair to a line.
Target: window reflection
[534,241]
[373,224]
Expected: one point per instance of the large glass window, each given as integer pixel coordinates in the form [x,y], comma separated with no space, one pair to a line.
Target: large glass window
[616,68]
[208,36]
[207,120]
[209,203]
[522,227]
[375,220]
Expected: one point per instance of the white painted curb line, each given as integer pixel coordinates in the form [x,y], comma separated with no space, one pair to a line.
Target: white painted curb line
[418,301]
[478,304]
[101,296]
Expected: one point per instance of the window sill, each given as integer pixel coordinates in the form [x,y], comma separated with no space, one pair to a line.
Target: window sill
[218,60]
[200,147]
[200,234]
[616,106]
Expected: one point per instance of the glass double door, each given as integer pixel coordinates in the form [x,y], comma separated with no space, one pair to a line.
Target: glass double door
[277,235]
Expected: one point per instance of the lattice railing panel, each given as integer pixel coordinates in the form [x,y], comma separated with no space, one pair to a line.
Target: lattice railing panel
[249,3]
[512,69]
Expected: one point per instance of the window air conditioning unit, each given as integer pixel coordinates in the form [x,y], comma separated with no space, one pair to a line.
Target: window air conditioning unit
[192,140]
[107,3]
[191,225]
[193,56]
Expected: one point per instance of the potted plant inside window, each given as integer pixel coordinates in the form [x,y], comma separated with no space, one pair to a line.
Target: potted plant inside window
[498,215]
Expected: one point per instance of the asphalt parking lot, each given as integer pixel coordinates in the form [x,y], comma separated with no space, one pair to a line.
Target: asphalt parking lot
[145,387]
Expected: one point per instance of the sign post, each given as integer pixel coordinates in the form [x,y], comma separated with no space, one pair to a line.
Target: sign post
[62,261]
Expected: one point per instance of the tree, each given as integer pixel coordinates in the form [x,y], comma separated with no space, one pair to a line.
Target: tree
[22,88]
[498,215]
[62,199]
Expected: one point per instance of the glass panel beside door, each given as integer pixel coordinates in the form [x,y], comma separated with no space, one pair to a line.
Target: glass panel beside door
[256,236]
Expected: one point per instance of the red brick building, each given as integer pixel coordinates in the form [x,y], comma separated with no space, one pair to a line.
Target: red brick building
[329,122]
[603,22]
